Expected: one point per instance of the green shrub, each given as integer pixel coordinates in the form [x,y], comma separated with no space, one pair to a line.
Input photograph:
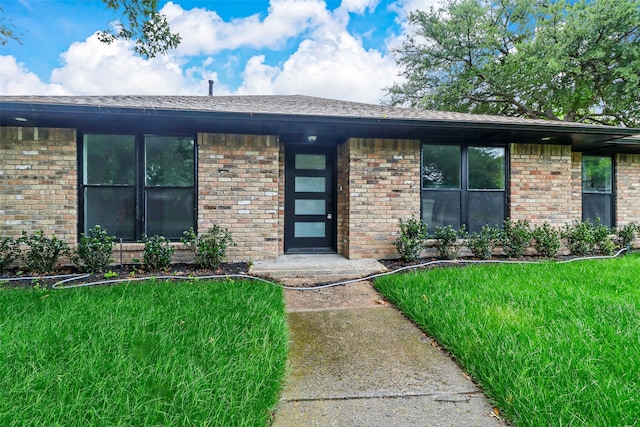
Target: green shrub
[579,237]
[626,234]
[210,248]
[94,250]
[446,240]
[514,237]
[602,240]
[411,239]
[481,243]
[42,253]
[546,240]
[9,252]
[157,253]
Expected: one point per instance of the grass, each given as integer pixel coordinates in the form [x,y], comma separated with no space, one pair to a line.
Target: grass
[551,344]
[156,353]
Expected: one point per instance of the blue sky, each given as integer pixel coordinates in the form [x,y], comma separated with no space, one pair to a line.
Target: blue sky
[334,49]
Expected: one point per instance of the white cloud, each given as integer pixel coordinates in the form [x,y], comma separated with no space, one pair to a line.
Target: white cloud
[340,68]
[205,32]
[16,79]
[93,68]
[359,6]
[327,62]
[402,8]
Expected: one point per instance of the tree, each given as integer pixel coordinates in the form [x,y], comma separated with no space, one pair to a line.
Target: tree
[7,30]
[139,21]
[571,60]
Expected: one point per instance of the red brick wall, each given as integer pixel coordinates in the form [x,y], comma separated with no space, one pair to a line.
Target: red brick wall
[38,182]
[541,184]
[383,187]
[627,189]
[238,188]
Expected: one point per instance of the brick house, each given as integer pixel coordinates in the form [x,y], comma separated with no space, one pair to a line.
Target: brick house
[289,174]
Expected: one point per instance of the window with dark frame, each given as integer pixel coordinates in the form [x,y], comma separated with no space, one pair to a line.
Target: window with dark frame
[463,184]
[597,189]
[138,184]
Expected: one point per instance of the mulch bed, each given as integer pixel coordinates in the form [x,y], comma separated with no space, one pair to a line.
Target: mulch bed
[23,279]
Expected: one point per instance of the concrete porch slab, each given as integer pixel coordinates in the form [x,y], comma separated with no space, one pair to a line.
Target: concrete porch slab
[317,266]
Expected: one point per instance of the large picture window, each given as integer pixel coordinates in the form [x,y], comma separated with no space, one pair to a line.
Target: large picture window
[463,185]
[597,189]
[135,184]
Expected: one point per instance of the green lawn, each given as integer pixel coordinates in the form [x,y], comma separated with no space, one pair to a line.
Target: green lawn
[551,344]
[152,353]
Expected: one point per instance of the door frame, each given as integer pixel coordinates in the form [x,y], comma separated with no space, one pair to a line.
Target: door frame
[310,245]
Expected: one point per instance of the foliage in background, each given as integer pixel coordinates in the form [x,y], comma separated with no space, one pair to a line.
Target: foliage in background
[576,61]
[546,240]
[157,253]
[551,344]
[9,252]
[144,354]
[411,239]
[210,248]
[42,252]
[447,240]
[481,243]
[514,237]
[94,250]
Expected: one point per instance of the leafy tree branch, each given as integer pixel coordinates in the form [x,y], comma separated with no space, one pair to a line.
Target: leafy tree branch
[138,20]
[577,61]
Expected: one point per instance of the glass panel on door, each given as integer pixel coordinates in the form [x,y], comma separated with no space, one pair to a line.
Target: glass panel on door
[310,207]
[309,229]
[311,161]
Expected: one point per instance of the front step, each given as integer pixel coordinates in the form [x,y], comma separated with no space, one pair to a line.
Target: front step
[316,265]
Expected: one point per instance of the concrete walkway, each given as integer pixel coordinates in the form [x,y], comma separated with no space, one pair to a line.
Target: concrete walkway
[355,360]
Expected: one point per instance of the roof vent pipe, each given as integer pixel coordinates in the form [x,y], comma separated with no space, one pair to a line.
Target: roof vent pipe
[211,87]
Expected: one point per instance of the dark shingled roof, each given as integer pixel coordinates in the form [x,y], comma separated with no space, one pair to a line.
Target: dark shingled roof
[289,105]
[295,114]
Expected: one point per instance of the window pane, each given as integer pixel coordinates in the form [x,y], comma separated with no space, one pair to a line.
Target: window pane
[486,168]
[440,208]
[596,174]
[310,184]
[485,208]
[597,206]
[169,161]
[310,207]
[112,209]
[109,159]
[170,212]
[440,166]
[309,229]
[311,161]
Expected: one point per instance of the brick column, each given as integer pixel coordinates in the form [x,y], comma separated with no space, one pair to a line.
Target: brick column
[383,186]
[38,182]
[238,187]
